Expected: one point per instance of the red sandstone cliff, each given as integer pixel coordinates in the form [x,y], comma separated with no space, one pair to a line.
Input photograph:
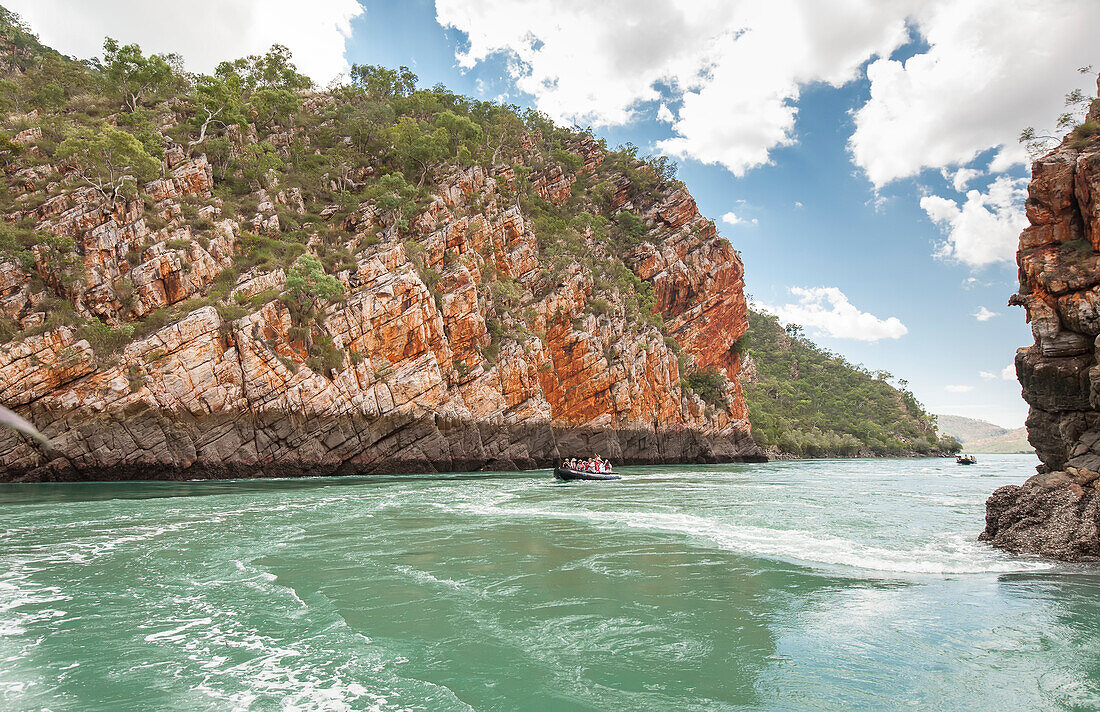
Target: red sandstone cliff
[433,375]
[1057,512]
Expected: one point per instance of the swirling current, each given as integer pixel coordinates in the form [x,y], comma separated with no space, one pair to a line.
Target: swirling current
[812,585]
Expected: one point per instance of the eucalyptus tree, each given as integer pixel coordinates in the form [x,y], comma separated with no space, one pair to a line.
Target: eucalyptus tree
[110,160]
[136,77]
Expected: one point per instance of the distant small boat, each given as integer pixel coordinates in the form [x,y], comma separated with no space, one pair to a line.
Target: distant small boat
[966,459]
[566,473]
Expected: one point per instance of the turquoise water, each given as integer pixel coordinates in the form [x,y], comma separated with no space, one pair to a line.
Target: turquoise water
[827,585]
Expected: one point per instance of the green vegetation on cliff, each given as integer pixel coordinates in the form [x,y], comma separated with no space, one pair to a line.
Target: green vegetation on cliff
[111,122]
[809,402]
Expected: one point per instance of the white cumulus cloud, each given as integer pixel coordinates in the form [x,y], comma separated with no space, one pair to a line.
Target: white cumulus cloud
[1008,373]
[961,177]
[984,314]
[665,115]
[827,311]
[589,62]
[981,79]
[985,229]
[747,103]
[732,218]
[738,69]
[958,389]
[204,32]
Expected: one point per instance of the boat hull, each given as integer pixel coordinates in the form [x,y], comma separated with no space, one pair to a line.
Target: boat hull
[564,473]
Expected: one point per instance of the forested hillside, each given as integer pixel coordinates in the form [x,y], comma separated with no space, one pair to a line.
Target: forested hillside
[806,401]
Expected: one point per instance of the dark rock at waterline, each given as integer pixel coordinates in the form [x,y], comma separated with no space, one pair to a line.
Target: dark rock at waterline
[157,445]
[1054,514]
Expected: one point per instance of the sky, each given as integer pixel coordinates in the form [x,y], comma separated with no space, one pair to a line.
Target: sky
[861,155]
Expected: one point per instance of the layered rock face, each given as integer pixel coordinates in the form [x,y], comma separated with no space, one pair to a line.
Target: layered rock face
[1056,513]
[434,373]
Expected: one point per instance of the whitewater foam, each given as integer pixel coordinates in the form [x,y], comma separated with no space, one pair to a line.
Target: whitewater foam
[791,545]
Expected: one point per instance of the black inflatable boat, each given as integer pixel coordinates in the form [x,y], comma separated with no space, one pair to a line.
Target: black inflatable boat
[565,473]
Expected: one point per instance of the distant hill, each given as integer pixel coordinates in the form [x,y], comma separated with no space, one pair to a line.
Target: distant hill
[968,429]
[1011,442]
[984,437]
[809,402]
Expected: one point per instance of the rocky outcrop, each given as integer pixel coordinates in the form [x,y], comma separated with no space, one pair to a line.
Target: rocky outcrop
[1055,513]
[456,347]
[1052,514]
